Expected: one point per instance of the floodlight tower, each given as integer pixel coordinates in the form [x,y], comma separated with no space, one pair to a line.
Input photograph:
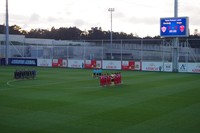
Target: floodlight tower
[175,8]
[175,41]
[111,10]
[7,34]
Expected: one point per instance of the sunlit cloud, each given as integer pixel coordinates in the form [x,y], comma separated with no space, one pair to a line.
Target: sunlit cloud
[138,16]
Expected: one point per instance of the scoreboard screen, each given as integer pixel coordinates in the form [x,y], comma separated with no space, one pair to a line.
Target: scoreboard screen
[174,27]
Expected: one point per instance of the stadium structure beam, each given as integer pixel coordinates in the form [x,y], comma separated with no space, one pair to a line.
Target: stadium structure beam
[175,42]
[175,8]
[7,33]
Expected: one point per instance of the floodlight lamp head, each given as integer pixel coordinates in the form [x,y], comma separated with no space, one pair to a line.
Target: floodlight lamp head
[111,9]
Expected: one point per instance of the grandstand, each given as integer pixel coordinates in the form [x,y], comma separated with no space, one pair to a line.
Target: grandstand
[138,49]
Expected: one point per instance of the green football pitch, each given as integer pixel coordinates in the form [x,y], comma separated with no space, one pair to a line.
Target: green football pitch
[62,100]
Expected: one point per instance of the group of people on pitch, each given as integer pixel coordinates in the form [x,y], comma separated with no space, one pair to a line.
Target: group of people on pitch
[110,79]
[97,72]
[24,74]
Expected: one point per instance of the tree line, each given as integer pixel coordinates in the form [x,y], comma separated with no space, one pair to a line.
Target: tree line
[74,33]
[70,33]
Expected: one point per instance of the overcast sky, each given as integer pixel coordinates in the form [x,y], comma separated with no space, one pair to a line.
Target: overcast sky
[139,17]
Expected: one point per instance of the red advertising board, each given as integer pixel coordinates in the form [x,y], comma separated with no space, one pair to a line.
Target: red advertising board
[90,64]
[128,65]
[59,63]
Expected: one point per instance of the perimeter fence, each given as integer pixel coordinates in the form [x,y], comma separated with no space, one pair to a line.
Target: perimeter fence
[137,49]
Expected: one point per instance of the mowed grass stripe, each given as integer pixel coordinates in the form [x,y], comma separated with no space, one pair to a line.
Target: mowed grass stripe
[184,120]
[78,104]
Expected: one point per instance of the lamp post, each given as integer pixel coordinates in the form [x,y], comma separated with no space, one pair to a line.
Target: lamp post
[111,10]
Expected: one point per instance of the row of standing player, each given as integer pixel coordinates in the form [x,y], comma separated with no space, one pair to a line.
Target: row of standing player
[24,74]
[97,72]
[110,79]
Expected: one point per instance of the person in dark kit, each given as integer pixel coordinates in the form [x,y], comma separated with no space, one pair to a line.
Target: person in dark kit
[25,74]
[33,73]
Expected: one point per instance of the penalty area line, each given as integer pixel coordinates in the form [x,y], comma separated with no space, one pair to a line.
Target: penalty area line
[9,83]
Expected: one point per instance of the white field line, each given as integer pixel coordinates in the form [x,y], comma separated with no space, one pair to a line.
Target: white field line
[10,83]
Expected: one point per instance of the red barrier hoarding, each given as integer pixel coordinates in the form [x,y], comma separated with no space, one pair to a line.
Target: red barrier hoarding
[90,64]
[59,63]
[128,65]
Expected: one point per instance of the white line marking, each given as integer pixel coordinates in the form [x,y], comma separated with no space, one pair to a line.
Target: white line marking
[9,83]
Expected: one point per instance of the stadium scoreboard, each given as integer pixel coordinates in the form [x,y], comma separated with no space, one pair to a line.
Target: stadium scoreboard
[174,27]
